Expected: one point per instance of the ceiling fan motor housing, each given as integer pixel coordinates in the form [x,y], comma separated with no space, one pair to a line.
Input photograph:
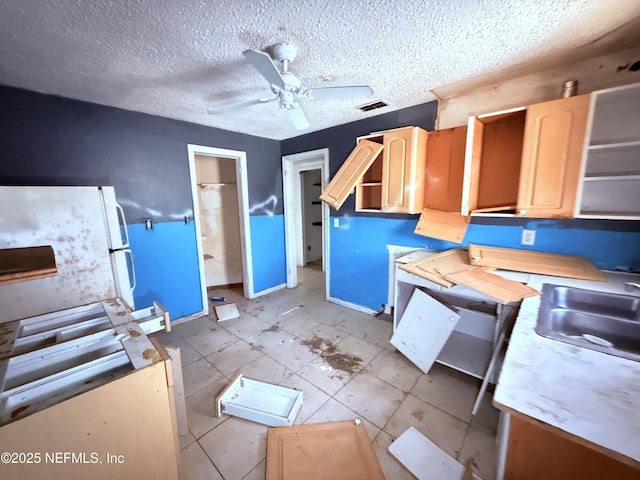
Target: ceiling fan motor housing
[284,51]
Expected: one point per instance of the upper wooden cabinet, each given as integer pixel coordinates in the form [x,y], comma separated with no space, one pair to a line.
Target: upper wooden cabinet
[551,157]
[403,165]
[387,171]
[352,171]
[526,160]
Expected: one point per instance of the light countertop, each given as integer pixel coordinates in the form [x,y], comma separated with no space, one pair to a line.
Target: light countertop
[590,395]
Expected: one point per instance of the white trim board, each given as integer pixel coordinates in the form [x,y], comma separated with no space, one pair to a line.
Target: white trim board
[292,165]
[240,159]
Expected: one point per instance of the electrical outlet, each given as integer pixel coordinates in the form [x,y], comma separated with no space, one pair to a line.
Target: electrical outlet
[528,237]
[336,222]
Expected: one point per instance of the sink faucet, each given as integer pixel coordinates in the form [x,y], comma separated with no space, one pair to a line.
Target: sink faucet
[629,286]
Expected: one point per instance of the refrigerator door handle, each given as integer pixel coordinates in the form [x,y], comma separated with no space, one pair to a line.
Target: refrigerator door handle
[133,269]
[125,244]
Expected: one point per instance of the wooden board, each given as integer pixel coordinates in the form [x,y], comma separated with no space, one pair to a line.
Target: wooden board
[26,263]
[445,169]
[495,286]
[562,459]
[448,226]
[571,266]
[331,450]
[127,421]
[436,267]
[351,171]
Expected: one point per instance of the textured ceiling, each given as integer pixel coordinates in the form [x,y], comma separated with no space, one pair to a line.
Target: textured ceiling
[178,58]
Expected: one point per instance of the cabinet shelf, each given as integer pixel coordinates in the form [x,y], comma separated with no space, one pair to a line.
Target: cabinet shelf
[633,176]
[623,144]
[467,354]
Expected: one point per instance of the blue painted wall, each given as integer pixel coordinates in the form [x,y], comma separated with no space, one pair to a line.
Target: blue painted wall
[268,250]
[166,265]
[49,140]
[359,257]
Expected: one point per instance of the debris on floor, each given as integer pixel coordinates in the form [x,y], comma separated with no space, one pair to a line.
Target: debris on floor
[261,402]
[426,460]
[322,450]
[226,311]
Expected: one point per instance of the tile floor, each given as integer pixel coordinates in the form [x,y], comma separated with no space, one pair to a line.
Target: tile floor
[288,338]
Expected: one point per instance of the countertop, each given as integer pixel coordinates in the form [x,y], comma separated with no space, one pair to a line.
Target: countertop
[593,397]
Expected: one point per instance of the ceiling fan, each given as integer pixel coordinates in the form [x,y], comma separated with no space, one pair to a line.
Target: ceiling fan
[287,87]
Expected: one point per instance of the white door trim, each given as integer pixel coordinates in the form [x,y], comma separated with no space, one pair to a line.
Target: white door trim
[243,209]
[292,165]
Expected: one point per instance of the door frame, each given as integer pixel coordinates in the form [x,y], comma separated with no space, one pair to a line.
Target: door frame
[240,159]
[292,165]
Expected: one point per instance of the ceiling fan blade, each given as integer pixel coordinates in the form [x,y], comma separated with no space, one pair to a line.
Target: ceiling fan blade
[329,93]
[236,106]
[263,63]
[298,118]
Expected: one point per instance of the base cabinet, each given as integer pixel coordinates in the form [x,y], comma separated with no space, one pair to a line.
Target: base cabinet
[123,429]
[534,452]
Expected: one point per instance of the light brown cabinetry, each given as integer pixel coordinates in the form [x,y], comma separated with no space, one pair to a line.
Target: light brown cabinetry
[352,171]
[526,160]
[444,169]
[535,451]
[551,157]
[387,171]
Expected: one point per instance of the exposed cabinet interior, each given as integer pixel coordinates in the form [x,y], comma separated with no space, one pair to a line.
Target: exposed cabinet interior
[610,186]
[444,169]
[494,154]
[387,171]
[369,187]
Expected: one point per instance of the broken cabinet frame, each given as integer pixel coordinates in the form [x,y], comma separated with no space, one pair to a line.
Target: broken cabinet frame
[478,337]
[49,358]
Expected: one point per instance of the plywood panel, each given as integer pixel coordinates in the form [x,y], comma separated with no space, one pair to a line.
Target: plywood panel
[24,263]
[329,450]
[352,170]
[534,453]
[442,225]
[435,267]
[572,266]
[502,289]
[444,169]
[551,158]
[128,421]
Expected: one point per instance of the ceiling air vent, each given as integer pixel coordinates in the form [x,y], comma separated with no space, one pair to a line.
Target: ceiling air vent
[367,107]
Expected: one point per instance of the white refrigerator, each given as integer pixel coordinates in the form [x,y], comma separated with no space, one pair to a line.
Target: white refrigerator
[86,231]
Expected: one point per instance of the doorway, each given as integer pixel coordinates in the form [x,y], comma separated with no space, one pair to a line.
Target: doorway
[220,213]
[305,176]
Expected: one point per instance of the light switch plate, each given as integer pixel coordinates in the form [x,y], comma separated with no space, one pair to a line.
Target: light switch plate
[528,237]
[336,222]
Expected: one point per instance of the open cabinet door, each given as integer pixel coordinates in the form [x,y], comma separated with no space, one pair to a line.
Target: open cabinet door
[424,328]
[351,171]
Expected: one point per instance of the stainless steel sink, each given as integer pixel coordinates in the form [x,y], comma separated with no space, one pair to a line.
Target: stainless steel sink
[606,322]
